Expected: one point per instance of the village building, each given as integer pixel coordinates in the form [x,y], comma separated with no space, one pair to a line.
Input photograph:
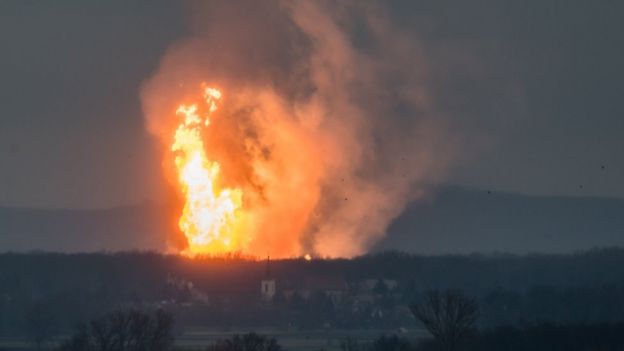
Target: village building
[370,285]
[334,287]
[268,286]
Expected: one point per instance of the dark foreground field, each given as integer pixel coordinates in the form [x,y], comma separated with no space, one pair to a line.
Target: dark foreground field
[199,338]
[310,305]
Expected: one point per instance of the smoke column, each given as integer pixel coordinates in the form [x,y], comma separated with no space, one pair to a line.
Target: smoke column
[325,122]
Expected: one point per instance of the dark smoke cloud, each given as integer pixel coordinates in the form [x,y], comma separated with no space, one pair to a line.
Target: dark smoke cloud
[332,125]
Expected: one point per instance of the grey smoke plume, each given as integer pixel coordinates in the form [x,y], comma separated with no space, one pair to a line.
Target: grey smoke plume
[327,125]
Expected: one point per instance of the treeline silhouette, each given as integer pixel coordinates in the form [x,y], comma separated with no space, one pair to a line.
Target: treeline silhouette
[45,293]
[550,337]
[134,330]
[131,330]
[539,337]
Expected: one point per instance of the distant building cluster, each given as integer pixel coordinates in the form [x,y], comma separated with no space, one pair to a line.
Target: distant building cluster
[375,298]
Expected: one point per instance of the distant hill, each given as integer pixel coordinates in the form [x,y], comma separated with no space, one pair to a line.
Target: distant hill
[460,220]
[452,220]
[141,227]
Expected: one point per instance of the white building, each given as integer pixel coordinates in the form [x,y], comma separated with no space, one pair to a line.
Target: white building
[267,285]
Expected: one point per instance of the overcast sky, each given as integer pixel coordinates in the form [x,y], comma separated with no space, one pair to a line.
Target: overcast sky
[539,82]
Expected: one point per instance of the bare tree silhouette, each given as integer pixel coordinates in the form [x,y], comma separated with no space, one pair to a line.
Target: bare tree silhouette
[448,315]
[124,331]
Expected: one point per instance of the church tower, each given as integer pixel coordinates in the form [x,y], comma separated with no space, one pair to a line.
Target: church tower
[267,285]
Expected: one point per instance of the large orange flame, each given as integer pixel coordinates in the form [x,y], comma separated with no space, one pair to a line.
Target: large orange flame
[209,217]
[316,145]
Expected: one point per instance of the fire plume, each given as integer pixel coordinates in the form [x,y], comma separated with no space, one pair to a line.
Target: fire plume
[318,142]
[209,216]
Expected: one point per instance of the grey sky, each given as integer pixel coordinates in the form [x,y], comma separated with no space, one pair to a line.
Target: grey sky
[539,83]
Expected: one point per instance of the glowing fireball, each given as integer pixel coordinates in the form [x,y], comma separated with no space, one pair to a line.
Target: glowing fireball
[209,217]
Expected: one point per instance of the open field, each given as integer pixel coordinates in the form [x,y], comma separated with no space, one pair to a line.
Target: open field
[296,339]
[196,338]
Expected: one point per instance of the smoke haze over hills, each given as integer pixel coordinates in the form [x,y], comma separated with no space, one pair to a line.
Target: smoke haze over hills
[455,220]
